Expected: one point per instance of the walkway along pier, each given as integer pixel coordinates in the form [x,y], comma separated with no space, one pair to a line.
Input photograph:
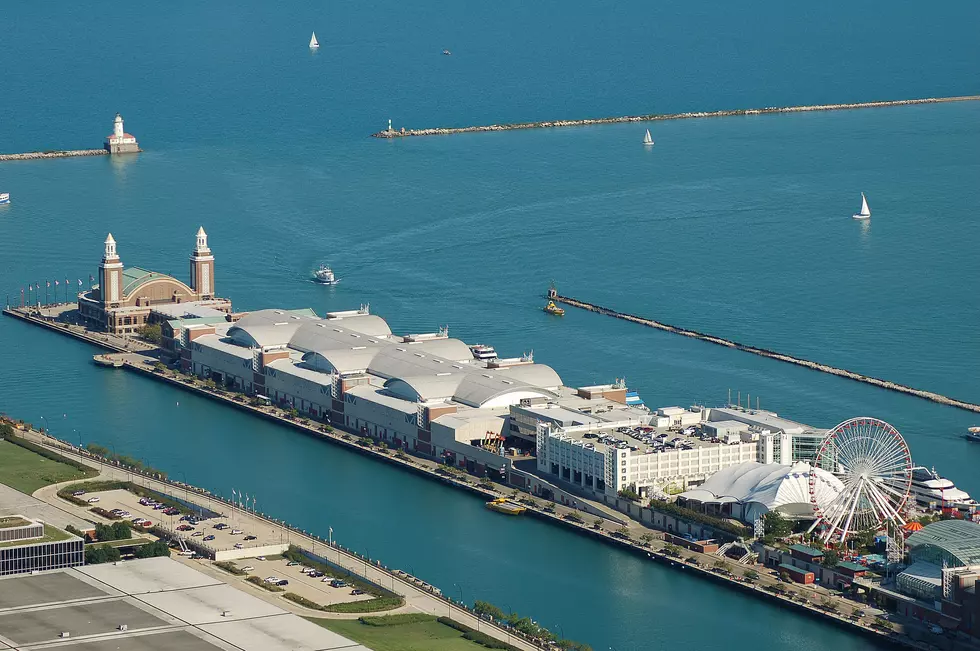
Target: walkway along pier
[762,352]
[403,133]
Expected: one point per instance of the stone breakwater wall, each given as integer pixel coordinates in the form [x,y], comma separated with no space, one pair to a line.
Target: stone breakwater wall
[392,133]
[37,155]
[762,352]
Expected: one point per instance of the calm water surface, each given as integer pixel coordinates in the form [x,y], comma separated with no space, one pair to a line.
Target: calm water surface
[740,227]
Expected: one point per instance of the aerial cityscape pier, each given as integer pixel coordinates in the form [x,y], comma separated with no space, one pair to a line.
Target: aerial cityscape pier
[691,487]
[762,352]
[118,142]
[656,117]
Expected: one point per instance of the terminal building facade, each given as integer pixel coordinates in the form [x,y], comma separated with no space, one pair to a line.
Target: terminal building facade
[128,298]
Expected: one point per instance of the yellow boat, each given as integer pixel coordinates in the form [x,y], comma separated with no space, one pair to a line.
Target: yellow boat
[505,506]
[551,308]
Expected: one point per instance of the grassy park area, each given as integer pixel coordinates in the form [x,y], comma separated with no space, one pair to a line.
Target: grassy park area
[28,471]
[412,632]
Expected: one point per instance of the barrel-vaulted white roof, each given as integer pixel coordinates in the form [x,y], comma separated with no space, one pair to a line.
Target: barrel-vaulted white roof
[367,324]
[539,375]
[773,486]
[269,327]
[451,349]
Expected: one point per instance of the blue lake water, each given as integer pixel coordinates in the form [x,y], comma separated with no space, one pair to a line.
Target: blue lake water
[739,227]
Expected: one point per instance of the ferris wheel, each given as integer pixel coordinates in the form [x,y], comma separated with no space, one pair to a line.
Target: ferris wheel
[871,470]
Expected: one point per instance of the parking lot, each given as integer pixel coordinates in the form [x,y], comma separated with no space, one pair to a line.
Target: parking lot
[314,589]
[200,533]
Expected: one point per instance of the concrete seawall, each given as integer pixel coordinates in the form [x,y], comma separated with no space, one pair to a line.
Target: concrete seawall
[762,352]
[392,133]
[38,155]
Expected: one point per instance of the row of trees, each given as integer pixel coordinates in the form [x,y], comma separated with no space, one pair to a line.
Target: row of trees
[526,625]
[95,554]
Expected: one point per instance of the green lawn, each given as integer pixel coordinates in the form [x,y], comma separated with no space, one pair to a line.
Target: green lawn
[25,471]
[420,636]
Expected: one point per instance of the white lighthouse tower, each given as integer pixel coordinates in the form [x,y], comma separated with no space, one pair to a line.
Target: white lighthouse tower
[120,142]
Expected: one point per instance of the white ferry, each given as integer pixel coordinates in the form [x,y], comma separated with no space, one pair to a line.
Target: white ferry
[4,197]
[973,434]
[483,352]
[928,488]
[324,276]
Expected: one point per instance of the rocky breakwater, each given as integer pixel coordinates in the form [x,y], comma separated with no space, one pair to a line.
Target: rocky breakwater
[38,155]
[403,133]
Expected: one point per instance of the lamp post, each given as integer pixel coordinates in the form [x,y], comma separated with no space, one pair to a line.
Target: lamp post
[45,427]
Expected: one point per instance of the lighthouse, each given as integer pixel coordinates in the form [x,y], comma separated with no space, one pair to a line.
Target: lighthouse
[120,142]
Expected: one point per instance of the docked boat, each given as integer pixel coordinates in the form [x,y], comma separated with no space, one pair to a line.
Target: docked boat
[324,276]
[505,506]
[647,138]
[551,308]
[973,434]
[483,352]
[314,44]
[865,211]
[930,489]
[4,197]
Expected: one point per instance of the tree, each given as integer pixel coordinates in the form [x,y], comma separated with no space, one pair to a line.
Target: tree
[629,493]
[623,532]
[776,526]
[671,550]
[6,431]
[121,531]
[487,608]
[751,575]
[830,558]
[597,523]
[646,539]
[151,333]
[101,554]
[153,549]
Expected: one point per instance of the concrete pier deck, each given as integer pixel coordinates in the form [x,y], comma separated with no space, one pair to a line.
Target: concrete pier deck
[404,133]
[38,155]
[762,352]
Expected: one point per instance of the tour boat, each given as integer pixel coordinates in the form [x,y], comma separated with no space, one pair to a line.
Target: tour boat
[313,42]
[647,138]
[973,434]
[483,352]
[505,506]
[928,488]
[4,197]
[551,308]
[865,211]
[324,276]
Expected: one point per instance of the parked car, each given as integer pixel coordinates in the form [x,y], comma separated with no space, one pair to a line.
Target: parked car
[197,533]
[260,558]
[236,532]
[239,546]
[208,538]
[159,507]
[291,563]
[78,493]
[93,500]
[337,583]
[271,579]
[316,574]
[250,537]
[248,568]
[186,552]
[185,527]
[220,526]
[282,582]
[356,591]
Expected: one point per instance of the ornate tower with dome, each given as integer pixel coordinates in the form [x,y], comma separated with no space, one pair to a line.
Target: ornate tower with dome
[202,267]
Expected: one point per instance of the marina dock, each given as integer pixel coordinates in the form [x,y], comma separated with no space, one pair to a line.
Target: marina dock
[39,155]
[655,117]
[762,352]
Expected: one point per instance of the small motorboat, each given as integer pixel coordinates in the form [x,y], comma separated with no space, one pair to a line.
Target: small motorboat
[447,53]
[4,198]
[973,434]
[551,308]
[324,276]
[865,211]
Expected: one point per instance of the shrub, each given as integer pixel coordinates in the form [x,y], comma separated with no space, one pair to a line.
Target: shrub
[397,620]
[230,567]
[373,606]
[153,549]
[262,584]
[487,608]
[629,493]
[736,530]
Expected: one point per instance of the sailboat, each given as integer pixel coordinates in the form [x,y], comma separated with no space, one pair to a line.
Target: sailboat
[314,44]
[647,139]
[865,211]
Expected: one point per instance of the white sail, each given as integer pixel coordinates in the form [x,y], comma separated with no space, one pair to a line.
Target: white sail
[647,139]
[865,211]
[313,41]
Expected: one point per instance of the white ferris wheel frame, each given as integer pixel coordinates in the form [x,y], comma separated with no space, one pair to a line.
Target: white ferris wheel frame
[877,477]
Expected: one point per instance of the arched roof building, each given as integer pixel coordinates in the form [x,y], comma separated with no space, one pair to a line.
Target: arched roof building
[957,542]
